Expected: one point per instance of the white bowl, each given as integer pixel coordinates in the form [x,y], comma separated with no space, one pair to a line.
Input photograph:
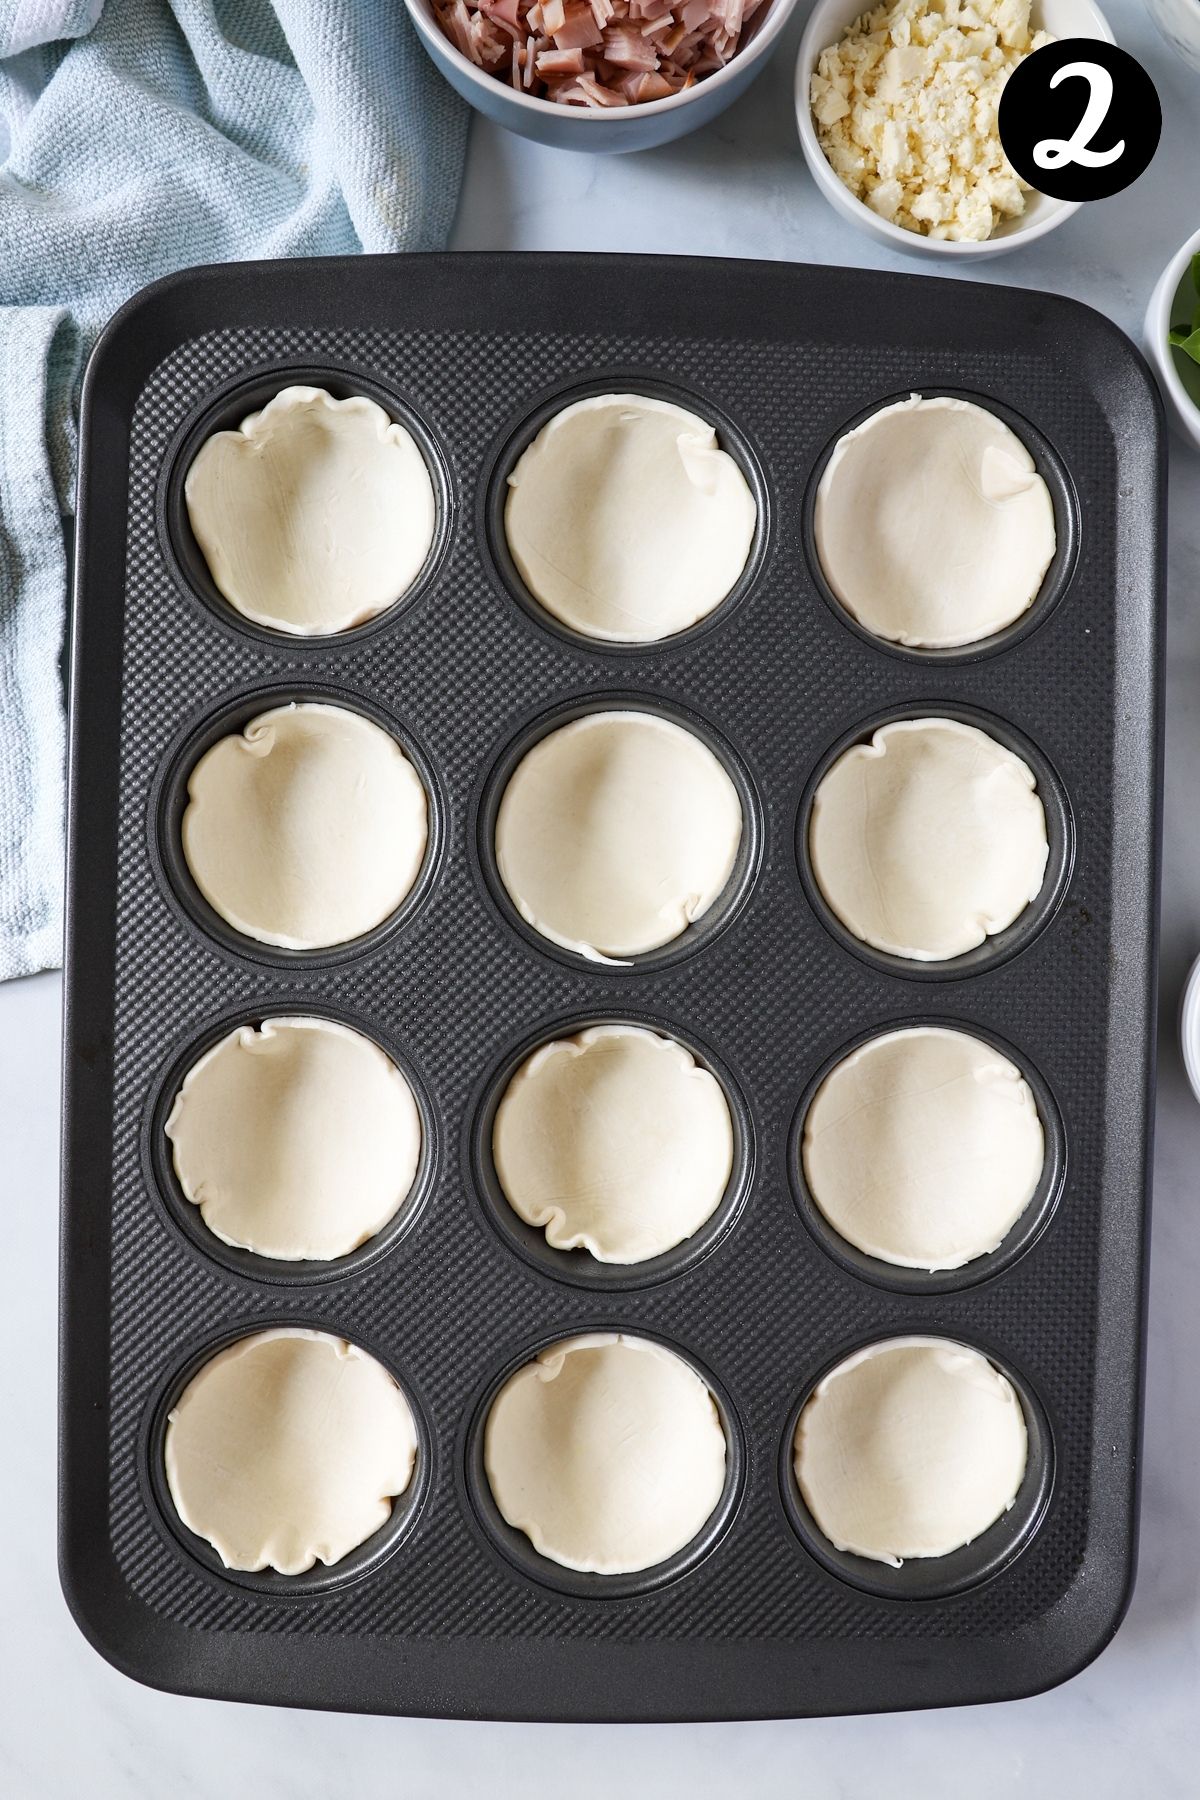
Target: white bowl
[1184,411]
[829,20]
[1179,23]
[1189,1027]
[618,128]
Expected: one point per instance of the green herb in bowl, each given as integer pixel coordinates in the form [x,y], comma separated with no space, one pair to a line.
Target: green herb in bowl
[1184,336]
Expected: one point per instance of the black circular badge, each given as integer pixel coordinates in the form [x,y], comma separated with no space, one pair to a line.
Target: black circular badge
[1079,119]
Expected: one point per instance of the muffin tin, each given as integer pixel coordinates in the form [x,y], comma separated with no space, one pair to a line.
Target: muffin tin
[446,1611]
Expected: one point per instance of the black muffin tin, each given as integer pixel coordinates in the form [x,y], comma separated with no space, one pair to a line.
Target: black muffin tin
[446,1611]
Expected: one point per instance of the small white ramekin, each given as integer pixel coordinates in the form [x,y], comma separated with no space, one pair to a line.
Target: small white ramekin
[829,20]
[1189,1027]
[1179,23]
[605,129]
[1183,411]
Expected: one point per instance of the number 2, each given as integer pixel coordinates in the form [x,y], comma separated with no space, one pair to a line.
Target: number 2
[1055,153]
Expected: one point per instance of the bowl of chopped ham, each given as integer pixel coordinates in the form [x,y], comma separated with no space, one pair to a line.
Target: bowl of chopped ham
[603,75]
[897,102]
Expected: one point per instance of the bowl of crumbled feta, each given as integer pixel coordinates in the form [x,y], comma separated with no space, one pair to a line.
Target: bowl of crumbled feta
[897,106]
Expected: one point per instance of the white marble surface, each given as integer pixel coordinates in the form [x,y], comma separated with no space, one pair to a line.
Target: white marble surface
[1128,1725]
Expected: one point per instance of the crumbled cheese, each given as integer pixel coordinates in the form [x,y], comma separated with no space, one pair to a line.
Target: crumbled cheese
[905,110]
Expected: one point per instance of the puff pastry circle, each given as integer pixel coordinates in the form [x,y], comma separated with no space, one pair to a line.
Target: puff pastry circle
[614,1141]
[307,828]
[313,516]
[933,527]
[626,519]
[910,1448]
[923,1147]
[616,832]
[288,1449]
[607,1451]
[298,1139]
[929,839]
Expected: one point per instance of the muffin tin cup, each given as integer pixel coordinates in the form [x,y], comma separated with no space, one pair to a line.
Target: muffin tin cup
[724,909]
[1029,923]
[358,1564]
[516,438]
[1021,1235]
[580,1268]
[186,1219]
[169,799]
[517,1549]
[1055,582]
[225,411]
[931,1577]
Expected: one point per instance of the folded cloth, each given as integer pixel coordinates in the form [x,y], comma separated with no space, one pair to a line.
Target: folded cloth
[142,136]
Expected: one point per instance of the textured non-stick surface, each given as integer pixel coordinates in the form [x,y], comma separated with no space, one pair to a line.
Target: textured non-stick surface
[447,1622]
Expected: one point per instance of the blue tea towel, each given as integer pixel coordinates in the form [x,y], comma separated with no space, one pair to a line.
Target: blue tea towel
[140,136]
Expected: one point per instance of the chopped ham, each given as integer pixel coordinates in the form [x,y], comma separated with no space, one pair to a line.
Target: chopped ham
[598,53]
[597,94]
[506,14]
[625,46]
[579,30]
[455,21]
[553,63]
[639,88]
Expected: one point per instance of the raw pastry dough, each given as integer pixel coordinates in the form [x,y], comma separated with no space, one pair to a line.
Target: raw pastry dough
[616,832]
[929,839]
[287,1449]
[614,1141]
[297,1140]
[924,1147]
[910,1448]
[607,1452]
[933,526]
[625,519]
[315,514]
[305,829]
